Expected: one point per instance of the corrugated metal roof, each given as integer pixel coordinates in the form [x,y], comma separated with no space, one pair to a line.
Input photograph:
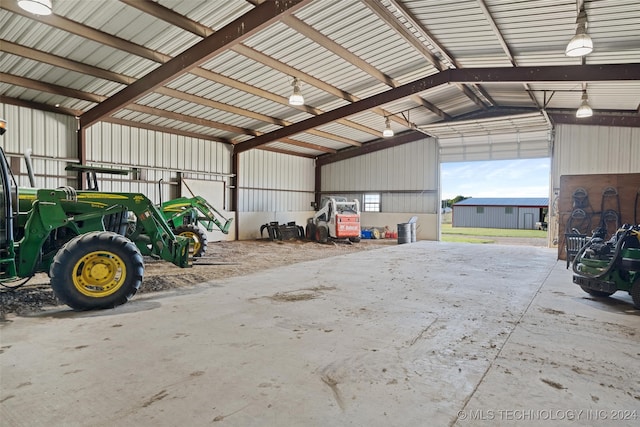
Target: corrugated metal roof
[342,51]
[460,26]
[510,125]
[505,201]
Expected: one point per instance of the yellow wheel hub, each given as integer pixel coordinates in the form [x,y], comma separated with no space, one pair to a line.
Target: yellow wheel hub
[194,237]
[99,274]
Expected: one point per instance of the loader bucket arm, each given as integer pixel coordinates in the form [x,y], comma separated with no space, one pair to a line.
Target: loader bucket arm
[211,214]
[160,241]
[207,215]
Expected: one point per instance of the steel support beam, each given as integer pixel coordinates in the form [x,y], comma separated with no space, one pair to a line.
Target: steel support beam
[50,88]
[371,147]
[39,106]
[36,55]
[149,126]
[567,73]
[81,143]
[548,74]
[598,119]
[235,170]
[317,188]
[155,9]
[248,24]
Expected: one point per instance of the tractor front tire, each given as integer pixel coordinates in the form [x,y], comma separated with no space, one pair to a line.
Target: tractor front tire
[635,293]
[196,234]
[97,270]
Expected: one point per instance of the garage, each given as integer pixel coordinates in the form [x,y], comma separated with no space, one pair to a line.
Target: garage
[264,108]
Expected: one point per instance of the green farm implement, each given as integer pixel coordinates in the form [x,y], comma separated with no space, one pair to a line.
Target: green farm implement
[187,215]
[601,268]
[90,243]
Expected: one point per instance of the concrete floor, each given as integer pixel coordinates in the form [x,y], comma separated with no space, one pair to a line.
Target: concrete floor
[418,334]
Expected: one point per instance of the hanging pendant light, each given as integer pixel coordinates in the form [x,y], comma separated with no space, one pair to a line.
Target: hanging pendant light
[296,97]
[581,44]
[38,7]
[387,132]
[585,109]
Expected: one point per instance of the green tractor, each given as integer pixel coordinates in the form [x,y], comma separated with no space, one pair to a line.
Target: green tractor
[90,243]
[185,215]
[601,268]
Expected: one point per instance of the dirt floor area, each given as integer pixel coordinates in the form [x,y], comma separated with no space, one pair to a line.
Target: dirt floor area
[223,259]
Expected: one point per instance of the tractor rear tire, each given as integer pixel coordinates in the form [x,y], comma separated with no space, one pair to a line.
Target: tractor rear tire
[196,234]
[310,232]
[635,293]
[595,293]
[322,234]
[97,270]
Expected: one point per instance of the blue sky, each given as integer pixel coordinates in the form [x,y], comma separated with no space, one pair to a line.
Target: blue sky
[497,178]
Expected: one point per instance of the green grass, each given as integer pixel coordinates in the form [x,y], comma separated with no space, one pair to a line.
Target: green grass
[449,232]
[464,239]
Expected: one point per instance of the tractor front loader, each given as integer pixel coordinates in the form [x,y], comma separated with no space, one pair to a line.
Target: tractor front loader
[90,243]
[185,215]
[182,214]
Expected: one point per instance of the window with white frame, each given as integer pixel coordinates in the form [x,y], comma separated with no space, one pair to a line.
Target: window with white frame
[371,203]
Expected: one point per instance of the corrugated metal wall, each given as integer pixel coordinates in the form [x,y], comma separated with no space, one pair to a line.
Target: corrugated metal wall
[406,176]
[583,150]
[595,150]
[274,182]
[491,217]
[52,139]
[156,156]
[495,217]
[268,181]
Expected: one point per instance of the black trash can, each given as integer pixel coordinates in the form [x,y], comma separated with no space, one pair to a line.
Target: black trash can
[404,233]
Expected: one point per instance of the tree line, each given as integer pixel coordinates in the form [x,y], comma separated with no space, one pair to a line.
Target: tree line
[447,203]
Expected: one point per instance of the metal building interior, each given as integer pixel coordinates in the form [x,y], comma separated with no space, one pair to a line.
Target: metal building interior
[140,83]
[489,80]
[223,71]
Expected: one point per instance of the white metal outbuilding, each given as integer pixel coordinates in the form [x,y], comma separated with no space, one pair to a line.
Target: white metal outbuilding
[500,212]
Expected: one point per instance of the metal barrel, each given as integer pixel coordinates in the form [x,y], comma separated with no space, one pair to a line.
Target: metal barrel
[414,232]
[404,233]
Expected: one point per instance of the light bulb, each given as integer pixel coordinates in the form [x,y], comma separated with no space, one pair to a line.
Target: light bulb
[387,132]
[296,97]
[38,7]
